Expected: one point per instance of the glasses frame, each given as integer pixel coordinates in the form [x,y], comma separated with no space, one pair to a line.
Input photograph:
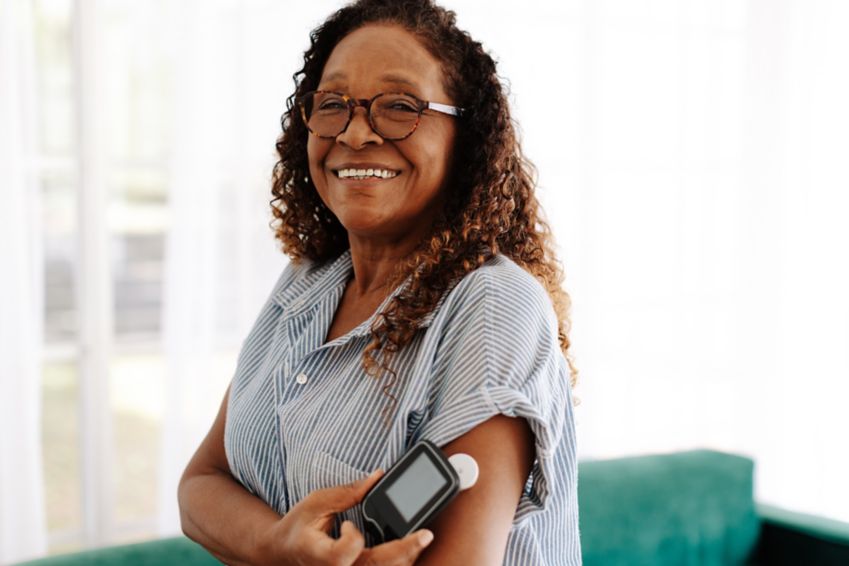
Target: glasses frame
[366,103]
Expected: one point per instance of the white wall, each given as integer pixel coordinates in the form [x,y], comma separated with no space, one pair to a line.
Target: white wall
[695,176]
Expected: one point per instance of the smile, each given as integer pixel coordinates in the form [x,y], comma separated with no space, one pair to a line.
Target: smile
[365,173]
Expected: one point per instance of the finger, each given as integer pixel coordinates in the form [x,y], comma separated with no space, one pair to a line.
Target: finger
[348,546]
[335,499]
[320,548]
[401,552]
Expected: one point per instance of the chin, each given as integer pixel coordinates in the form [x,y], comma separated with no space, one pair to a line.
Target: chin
[360,224]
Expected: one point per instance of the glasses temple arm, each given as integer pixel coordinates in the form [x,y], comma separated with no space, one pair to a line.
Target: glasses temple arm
[445,108]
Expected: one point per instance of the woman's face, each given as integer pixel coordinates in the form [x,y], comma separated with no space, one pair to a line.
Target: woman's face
[397,210]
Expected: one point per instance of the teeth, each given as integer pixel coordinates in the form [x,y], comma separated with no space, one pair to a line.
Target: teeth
[364,173]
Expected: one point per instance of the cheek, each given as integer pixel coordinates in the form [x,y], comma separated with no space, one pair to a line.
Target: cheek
[447,139]
[311,153]
[437,160]
[316,152]
[432,152]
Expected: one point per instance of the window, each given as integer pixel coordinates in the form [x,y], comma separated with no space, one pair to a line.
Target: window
[104,233]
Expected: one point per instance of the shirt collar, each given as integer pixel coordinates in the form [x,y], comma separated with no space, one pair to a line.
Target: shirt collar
[308,291]
[365,327]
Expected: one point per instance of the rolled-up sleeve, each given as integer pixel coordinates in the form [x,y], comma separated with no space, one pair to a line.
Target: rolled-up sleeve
[499,354]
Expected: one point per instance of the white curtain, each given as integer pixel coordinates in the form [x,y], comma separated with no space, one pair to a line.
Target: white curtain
[692,160]
[221,259]
[22,518]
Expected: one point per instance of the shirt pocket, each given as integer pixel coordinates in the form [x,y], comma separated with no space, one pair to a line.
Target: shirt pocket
[329,471]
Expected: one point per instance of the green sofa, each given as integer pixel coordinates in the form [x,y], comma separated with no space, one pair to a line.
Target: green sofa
[694,508]
[681,509]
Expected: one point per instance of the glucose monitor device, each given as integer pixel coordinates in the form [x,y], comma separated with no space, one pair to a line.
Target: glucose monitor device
[415,489]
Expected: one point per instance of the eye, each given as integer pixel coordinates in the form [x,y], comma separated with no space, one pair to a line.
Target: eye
[332,104]
[403,106]
[397,103]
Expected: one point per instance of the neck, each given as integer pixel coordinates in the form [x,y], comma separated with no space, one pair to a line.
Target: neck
[375,266]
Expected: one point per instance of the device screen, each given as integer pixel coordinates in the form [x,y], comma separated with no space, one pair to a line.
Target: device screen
[415,487]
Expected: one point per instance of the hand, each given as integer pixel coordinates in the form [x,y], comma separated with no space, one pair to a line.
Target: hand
[302,536]
[401,552]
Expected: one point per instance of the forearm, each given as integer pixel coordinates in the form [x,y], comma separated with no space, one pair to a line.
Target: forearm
[222,516]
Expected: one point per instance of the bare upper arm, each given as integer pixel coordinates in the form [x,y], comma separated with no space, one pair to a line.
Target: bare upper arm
[210,456]
[474,528]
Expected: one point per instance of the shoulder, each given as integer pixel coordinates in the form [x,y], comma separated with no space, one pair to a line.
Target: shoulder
[498,317]
[505,293]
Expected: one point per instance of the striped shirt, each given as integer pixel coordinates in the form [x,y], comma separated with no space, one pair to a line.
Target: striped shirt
[303,414]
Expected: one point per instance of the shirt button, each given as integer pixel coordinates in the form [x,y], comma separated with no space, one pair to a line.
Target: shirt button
[301,379]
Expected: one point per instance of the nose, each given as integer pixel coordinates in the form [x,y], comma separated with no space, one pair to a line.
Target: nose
[359,131]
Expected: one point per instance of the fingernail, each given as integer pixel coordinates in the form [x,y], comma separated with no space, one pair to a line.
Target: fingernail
[369,477]
[425,537]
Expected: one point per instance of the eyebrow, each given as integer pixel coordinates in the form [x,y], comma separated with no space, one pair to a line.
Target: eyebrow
[386,78]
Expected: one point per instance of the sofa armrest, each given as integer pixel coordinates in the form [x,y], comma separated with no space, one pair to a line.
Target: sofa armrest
[794,538]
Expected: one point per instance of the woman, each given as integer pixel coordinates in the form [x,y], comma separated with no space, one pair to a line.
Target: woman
[422,302]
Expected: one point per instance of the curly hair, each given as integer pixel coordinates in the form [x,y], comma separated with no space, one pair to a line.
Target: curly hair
[491,207]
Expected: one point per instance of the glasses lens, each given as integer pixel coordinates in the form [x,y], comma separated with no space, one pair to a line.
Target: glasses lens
[394,115]
[326,113]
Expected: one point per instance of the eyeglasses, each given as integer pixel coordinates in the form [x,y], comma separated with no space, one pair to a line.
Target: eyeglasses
[393,115]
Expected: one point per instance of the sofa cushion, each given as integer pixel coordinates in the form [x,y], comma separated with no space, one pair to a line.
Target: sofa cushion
[177,550]
[691,507]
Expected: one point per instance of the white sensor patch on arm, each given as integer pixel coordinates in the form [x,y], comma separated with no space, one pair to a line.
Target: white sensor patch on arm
[466,468]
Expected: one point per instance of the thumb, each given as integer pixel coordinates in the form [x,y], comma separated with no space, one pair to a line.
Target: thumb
[342,497]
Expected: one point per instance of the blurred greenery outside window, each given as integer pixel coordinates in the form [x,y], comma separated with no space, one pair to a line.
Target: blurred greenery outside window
[135,79]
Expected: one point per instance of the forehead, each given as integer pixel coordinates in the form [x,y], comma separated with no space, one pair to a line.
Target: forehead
[381,56]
